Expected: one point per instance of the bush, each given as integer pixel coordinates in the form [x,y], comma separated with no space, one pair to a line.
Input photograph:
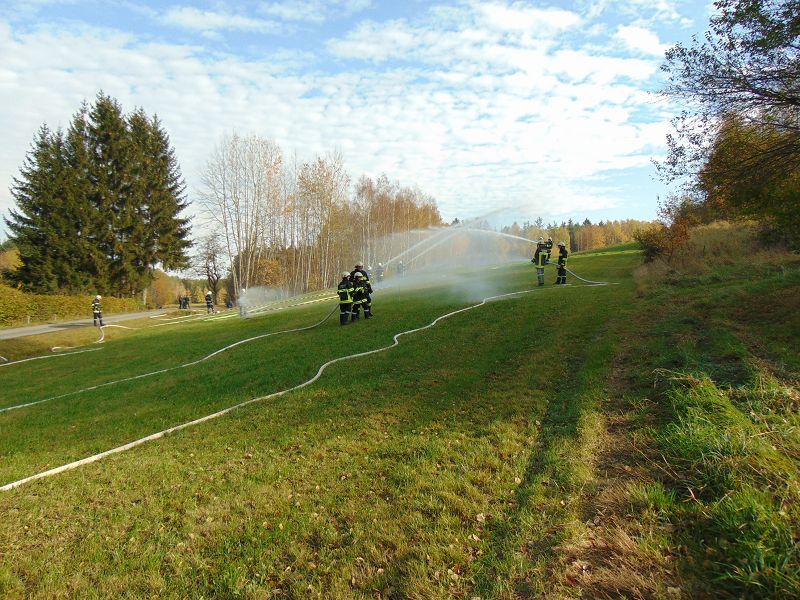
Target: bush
[21,308]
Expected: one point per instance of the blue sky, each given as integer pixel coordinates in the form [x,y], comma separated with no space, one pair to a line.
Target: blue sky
[540,108]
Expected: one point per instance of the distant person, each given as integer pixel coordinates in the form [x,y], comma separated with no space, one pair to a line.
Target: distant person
[379,273]
[539,260]
[548,246]
[209,302]
[97,310]
[561,278]
[345,291]
[401,268]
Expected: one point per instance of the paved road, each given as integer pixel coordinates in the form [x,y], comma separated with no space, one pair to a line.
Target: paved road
[16,332]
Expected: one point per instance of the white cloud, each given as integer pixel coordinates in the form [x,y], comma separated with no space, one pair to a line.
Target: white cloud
[640,40]
[520,17]
[477,115]
[313,11]
[208,21]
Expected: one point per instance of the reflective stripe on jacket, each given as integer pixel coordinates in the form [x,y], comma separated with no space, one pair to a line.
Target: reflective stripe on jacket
[359,292]
[345,291]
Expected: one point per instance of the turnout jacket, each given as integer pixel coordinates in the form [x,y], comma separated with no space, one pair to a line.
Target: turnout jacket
[359,291]
[562,257]
[345,290]
[96,306]
[540,256]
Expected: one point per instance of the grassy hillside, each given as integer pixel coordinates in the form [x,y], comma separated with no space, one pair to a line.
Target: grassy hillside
[515,449]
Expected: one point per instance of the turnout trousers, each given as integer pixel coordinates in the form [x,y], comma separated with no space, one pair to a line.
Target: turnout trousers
[345,309]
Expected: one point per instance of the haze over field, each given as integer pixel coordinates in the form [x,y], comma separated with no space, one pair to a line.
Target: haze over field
[544,108]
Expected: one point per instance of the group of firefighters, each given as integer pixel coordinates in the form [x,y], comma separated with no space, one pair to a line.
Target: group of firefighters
[355,289]
[541,257]
[355,293]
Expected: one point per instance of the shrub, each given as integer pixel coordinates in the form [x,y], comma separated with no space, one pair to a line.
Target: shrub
[20,308]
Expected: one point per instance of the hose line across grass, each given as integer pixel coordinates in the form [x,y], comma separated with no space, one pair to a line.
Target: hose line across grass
[143,375]
[160,434]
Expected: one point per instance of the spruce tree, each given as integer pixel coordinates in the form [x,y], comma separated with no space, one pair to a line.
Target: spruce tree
[45,219]
[97,209]
[161,195]
[110,171]
[89,258]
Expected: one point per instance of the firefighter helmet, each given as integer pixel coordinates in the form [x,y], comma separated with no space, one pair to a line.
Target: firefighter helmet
[562,244]
[345,273]
[358,275]
[98,297]
[541,239]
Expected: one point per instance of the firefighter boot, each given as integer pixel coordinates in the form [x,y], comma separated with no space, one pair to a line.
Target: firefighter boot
[343,318]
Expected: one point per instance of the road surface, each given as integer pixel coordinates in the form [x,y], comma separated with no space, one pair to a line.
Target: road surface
[16,332]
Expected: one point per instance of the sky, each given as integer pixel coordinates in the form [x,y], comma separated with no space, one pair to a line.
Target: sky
[518,109]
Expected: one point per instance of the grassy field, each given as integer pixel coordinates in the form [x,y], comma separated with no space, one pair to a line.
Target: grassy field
[588,440]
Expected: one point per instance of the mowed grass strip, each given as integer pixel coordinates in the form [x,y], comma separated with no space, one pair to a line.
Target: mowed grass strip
[411,473]
[65,429]
[705,498]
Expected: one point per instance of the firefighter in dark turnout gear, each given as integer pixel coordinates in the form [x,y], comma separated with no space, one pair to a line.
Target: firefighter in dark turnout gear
[540,260]
[345,291]
[379,272]
[209,302]
[548,246]
[561,278]
[97,311]
[367,303]
[359,296]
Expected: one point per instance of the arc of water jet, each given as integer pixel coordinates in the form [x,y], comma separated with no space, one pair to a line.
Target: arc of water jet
[437,244]
[441,231]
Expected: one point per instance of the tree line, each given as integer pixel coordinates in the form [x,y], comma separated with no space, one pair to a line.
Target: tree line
[736,146]
[99,205]
[583,235]
[297,225]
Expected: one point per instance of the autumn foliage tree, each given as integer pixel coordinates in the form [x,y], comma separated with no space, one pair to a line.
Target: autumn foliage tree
[296,226]
[737,144]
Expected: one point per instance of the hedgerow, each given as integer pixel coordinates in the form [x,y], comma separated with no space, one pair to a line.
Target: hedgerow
[21,308]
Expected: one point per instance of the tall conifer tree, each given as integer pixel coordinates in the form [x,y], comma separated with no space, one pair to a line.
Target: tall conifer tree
[99,208]
[46,218]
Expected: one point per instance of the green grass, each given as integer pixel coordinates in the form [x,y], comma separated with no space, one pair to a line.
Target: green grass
[458,464]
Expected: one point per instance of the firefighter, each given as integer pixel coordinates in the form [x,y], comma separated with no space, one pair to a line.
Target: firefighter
[97,311]
[561,278]
[379,272]
[540,260]
[359,296]
[345,291]
[367,303]
[548,245]
[401,268]
[209,302]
